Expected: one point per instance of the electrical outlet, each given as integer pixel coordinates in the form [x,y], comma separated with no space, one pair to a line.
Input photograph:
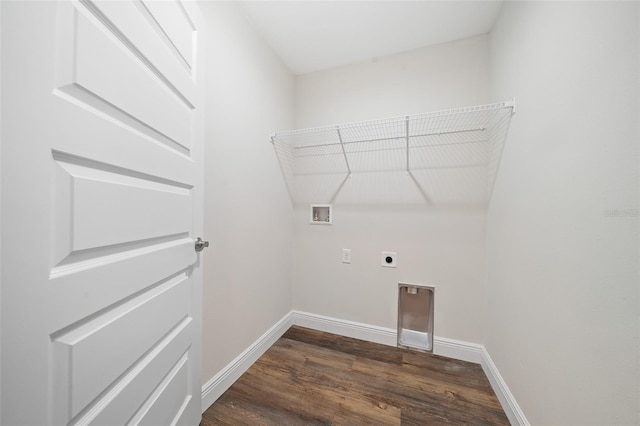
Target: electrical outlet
[346,255]
[388,259]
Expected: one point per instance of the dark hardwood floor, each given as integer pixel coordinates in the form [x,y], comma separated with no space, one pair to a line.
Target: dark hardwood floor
[312,378]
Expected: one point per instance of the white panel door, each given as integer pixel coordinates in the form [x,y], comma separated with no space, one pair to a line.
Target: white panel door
[102,139]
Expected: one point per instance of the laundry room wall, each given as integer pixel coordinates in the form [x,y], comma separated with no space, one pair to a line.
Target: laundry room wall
[441,245]
[448,75]
[562,239]
[248,214]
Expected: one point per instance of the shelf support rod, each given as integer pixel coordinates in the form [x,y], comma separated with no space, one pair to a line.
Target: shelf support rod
[393,138]
[407,134]
[344,152]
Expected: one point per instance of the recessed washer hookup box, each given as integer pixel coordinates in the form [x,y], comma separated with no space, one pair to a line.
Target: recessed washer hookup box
[415,316]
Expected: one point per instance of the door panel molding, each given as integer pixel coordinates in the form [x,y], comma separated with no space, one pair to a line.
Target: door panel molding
[88,357]
[87,47]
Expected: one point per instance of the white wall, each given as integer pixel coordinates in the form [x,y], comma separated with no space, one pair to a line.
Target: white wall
[248,215]
[562,238]
[438,245]
[433,78]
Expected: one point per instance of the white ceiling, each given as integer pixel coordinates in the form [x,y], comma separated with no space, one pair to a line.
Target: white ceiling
[315,35]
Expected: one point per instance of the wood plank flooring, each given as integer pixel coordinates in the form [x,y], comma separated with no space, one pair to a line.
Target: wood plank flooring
[312,378]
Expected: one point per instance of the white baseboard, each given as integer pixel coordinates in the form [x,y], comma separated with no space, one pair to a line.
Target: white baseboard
[506,398]
[387,336]
[465,351]
[457,349]
[356,330]
[214,388]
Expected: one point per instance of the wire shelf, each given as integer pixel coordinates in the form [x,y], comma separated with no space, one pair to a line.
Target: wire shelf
[450,157]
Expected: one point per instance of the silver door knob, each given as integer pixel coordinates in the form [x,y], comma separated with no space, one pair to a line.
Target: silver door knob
[201,244]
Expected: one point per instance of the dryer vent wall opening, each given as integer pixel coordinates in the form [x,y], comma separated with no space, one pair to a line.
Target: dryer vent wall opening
[415,316]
